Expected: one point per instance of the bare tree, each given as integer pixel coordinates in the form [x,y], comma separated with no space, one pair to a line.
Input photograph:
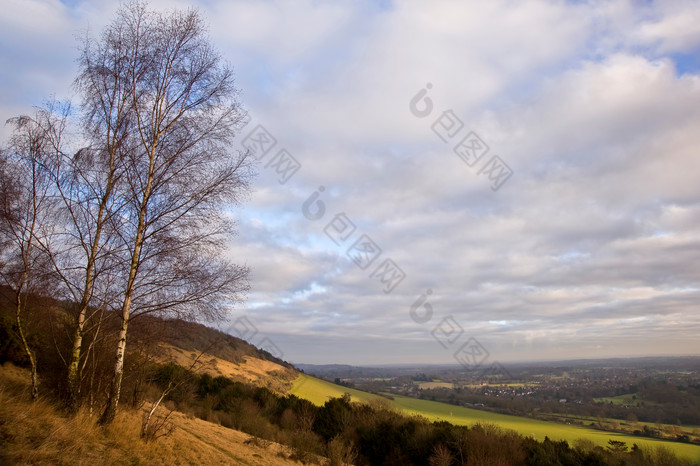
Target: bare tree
[7,193]
[442,456]
[179,174]
[88,183]
[25,219]
[81,250]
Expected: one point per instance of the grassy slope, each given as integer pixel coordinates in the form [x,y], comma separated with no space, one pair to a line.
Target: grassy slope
[318,391]
[38,433]
[249,369]
[531,427]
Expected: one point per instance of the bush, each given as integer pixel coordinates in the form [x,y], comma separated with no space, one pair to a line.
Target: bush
[340,452]
[10,345]
[305,446]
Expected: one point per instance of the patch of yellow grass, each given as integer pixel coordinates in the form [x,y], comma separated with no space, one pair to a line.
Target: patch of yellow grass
[318,391]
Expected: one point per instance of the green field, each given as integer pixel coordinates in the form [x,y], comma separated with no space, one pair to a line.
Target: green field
[428,385]
[318,391]
[625,400]
[435,411]
[497,384]
[619,400]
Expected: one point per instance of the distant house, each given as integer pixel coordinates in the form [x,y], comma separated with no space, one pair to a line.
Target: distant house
[563,400]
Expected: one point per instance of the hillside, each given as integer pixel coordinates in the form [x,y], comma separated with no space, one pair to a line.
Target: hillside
[198,337]
[245,362]
[38,433]
[183,342]
[318,391]
[150,338]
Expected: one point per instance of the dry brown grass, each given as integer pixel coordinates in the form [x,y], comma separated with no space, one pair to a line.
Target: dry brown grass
[251,369]
[39,433]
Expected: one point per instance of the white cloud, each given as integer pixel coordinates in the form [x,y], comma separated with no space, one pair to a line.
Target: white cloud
[677,29]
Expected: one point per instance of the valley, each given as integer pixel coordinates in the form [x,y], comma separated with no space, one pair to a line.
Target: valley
[318,391]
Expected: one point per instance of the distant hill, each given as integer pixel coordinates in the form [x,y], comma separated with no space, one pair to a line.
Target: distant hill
[197,337]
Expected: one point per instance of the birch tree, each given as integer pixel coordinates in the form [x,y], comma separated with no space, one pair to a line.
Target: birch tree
[25,219]
[68,197]
[180,176]
[89,181]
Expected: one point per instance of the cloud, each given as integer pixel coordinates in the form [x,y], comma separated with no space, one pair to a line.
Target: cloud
[675,29]
[588,249]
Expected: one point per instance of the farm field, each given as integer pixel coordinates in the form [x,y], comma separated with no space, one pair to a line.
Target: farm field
[509,384]
[531,427]
[318,391]
[630,400]
[428,385]
[613,424]
[619,400]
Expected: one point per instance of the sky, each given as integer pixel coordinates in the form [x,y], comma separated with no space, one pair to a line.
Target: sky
[448,181]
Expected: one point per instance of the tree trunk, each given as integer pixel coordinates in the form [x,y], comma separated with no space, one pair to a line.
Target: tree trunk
[23,283]
[73,395]
[73,388]
[115,388]
[25,345]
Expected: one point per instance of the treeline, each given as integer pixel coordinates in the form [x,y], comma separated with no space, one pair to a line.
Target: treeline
[118,207]
[374,433]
